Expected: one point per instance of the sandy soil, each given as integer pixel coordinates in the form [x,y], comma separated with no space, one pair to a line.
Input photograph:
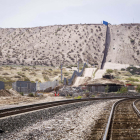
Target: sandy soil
[110,65]
[13,101]
[39,73]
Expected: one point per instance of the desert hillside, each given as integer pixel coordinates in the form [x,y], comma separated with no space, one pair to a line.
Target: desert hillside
[124,44]
[52,45]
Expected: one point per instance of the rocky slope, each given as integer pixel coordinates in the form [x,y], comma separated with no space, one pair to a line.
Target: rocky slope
[124,44]
[52,45]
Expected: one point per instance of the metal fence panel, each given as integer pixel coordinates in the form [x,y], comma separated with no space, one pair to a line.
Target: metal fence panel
[45,85]
[131,87]
[24,86]
[75,74]
[2,85]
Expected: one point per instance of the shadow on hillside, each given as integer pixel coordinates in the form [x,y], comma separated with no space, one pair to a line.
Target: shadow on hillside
[107,44]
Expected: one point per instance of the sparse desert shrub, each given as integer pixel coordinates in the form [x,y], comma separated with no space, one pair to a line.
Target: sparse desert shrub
[36,79]
[138,88]
[86,66]
[122,69]
[79,97]
[74,65]
[56,72]
[44,72]
[68,96]
[58,29]
[132,79]
[96,63]
[8,79]
[66,73]
[32,81]
[107,89]
[133,70]
[24,69]
[0,52]
[109,71]
[21,93]
[31,95]
[26,79]
[123,90]
[16,76]
[34,67]
[5,73]
[139,42]
[21,74]
[46,78]
[69,67]
[132,40]
[33,73]
[80,68]
[37,70]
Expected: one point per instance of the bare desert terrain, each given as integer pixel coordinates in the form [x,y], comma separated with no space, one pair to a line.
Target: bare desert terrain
[52,45]
[124,44]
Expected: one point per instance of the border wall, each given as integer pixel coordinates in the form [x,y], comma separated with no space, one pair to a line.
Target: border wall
[75,74]
[46,85]
[24,86]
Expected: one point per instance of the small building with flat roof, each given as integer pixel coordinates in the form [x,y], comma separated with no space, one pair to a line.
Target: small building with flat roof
[99,85]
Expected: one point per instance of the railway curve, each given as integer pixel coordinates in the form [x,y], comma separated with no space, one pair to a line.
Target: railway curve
[124,121]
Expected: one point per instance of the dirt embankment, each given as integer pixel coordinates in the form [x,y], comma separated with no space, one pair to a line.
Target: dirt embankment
[5,93]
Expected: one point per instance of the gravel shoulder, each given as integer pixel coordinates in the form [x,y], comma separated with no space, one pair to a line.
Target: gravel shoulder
[71,125]
[15,101]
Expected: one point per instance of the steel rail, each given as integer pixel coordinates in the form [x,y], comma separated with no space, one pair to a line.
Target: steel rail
[110,118]
[33,107]
[135,108]
[111,115]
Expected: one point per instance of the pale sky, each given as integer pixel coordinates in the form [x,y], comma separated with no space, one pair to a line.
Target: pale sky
[32,13]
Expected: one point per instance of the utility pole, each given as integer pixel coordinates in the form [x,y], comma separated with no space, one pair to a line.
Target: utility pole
[61,72]
[78,65]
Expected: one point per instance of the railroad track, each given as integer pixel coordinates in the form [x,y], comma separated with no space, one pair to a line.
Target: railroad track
[97,130]
[100,125]
[124,121]
[33,107]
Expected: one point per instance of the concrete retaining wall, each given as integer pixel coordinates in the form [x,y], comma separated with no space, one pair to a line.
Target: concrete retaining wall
[16,122]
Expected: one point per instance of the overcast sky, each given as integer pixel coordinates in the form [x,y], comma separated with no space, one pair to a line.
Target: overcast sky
[32,13]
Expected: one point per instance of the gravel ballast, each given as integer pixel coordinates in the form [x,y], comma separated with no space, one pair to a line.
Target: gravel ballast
[73,125]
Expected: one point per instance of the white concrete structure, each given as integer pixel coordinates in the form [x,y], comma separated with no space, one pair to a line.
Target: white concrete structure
[87,73]
[99,73]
